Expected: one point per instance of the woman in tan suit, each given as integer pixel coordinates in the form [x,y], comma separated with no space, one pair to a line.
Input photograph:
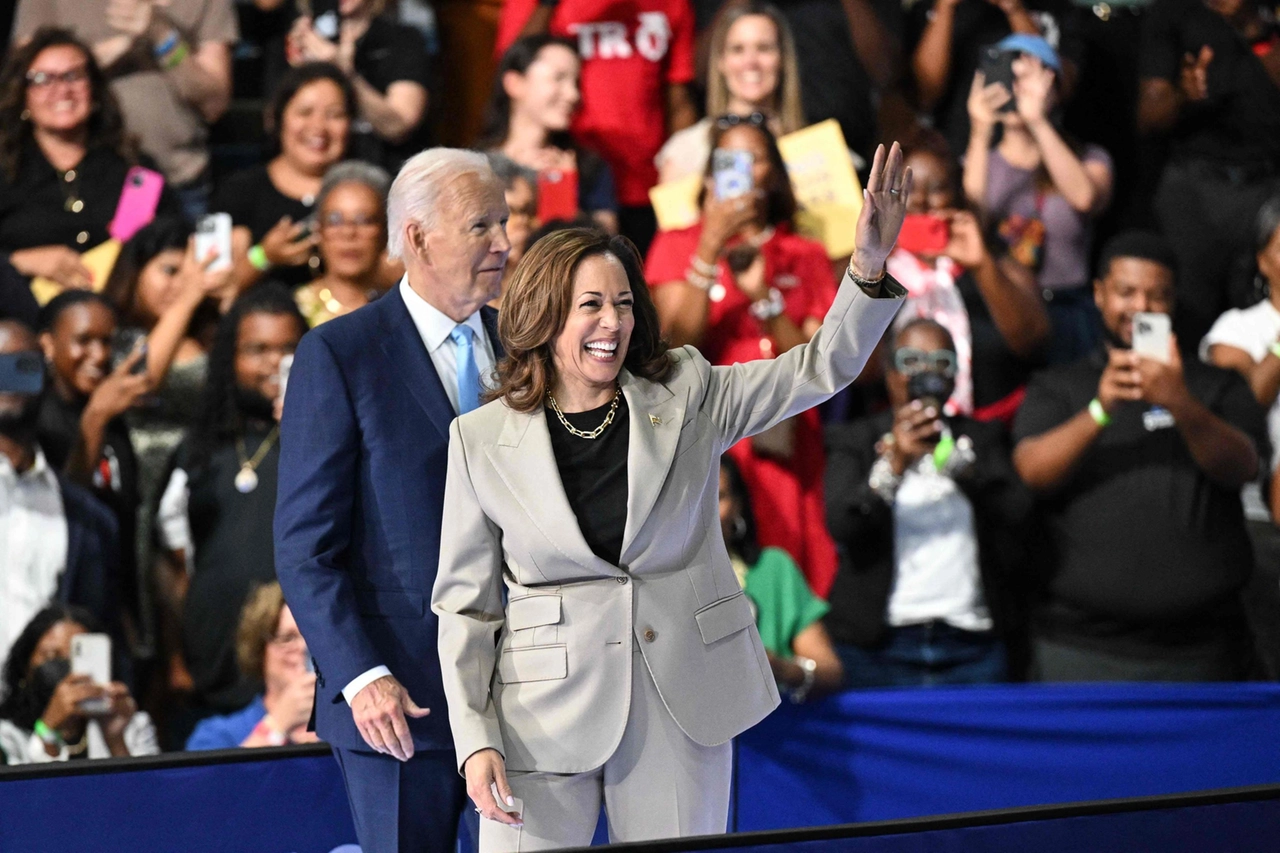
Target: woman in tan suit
[626,656]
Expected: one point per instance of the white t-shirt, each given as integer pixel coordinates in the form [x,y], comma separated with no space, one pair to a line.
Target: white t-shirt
[1253,330]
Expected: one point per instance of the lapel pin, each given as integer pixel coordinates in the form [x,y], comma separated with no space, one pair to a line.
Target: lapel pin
[655,420]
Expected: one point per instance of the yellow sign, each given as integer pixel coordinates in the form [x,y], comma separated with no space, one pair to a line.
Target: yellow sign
[99,260]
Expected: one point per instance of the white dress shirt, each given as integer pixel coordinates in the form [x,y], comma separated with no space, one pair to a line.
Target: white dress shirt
[434,327]
[935,550]
[33,544]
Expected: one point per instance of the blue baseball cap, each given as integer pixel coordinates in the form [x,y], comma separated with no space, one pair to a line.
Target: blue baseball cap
[1032,45]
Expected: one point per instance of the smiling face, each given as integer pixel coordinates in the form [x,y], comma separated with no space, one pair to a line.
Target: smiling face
[59,105]
[261,342]
[461,260]
[1132,285]
[158,285]
[592,345]
[752,61]
[314,127]
[352,231]
[78,347]
[547,92]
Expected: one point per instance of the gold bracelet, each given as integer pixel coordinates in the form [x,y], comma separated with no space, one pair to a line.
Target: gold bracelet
[865,282]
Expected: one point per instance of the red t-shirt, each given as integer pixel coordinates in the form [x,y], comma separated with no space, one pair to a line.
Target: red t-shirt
[795,265]
[631,51]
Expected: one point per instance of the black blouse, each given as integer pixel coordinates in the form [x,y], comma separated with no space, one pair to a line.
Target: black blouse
[34,209]
[594,474]
[254,203]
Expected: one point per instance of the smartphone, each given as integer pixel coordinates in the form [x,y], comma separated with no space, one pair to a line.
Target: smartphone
[731,173]
[924,234]
[286,365]
[326,19]
[123,345]
[21,373]
[1151,335]
[557,195]
[997,67]
[91,656]
[213,234]
[139,199]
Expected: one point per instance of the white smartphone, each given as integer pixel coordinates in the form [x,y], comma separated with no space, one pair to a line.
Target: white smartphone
[213,234]
[1151,335]
[91,656]
[731,172]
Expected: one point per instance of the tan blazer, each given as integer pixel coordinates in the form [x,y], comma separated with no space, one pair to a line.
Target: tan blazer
[546,680]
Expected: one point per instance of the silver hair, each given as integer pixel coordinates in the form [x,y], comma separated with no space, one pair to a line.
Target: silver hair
[509,171]
[355,172]
[416,192]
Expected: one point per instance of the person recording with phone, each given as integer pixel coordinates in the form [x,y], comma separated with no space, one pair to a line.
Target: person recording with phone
[270,650]
[1040,191]
[1138,458]
[214,517]
[987,302]
[928,513]
[741,285]
[70,550]
[51,714]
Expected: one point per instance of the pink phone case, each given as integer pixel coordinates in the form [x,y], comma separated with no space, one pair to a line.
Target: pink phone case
[139,199]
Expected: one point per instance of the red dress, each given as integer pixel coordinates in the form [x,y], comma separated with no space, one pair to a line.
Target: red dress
[786,495]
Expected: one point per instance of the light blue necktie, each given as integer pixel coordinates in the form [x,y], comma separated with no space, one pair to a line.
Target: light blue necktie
[468,373]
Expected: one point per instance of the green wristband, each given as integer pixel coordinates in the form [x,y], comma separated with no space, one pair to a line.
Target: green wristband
[174,58]
[1099,414]
[258,258]
[48,735]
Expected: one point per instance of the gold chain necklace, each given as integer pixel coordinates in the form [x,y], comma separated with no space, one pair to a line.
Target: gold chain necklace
[595,433]
[247,476]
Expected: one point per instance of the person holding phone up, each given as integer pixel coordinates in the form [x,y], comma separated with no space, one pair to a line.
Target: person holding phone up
[1039,190]
[741,285]
[1138,462]
[45,716]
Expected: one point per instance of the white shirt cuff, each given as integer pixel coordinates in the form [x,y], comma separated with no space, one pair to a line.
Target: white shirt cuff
[362,681]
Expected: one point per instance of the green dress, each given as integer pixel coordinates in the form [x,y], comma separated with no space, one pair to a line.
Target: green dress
[784,604]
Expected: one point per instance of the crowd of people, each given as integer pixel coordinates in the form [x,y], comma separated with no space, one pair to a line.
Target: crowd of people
[1010,492]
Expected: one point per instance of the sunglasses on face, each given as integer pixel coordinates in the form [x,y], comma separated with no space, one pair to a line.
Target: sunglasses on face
[910,361]
[756,119]
[44,79]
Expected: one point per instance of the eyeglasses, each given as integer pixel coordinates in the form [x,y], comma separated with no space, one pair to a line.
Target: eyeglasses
[360,220]
[756,119]
[293,638]
[45,79]
[910,361]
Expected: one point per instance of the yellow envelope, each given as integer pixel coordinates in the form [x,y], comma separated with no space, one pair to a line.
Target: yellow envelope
[825,183]
[100,260]
[675,203]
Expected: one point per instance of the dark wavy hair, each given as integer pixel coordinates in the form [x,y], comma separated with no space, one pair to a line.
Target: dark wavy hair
[536,306]
[16,707]
[497,118]
[293,81]
[780,199]
[106,123]
[744,542]
[162,234]
[218,417]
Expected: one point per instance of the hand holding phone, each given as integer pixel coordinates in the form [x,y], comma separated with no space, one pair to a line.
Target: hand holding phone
[21,373]
[213,237]
[139,198]
[1151,335]
[91,656]
[732,173]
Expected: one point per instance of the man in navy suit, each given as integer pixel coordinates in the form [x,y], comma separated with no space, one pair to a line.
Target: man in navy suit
[363,448]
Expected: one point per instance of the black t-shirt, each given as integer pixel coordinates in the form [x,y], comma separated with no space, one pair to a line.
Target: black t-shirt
[833,81]
[34,207]
[997,371]
[254,203]
[387,53]
[594,474]
[234,552]
[115,477]
[1239,123]
[1145,550]
[979,24]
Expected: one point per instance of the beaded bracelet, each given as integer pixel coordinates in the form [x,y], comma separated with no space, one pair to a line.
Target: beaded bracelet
[702,267]
[702,282]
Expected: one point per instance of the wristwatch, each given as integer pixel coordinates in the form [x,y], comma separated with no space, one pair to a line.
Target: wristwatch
[810,668]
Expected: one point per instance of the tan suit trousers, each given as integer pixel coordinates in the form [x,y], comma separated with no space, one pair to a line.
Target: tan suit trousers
[657,784]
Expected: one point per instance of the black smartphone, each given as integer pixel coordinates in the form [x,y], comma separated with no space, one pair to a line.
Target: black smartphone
[21,373]
[126,341]
[997,67]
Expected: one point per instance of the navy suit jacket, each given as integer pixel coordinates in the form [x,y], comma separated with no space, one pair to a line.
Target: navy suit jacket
[363,448]
[91,578]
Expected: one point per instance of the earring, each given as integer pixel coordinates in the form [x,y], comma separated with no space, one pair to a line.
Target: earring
[739,526]
[25,115]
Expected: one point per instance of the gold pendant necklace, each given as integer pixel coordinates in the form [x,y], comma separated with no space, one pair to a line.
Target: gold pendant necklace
[247,477]
[595,433]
